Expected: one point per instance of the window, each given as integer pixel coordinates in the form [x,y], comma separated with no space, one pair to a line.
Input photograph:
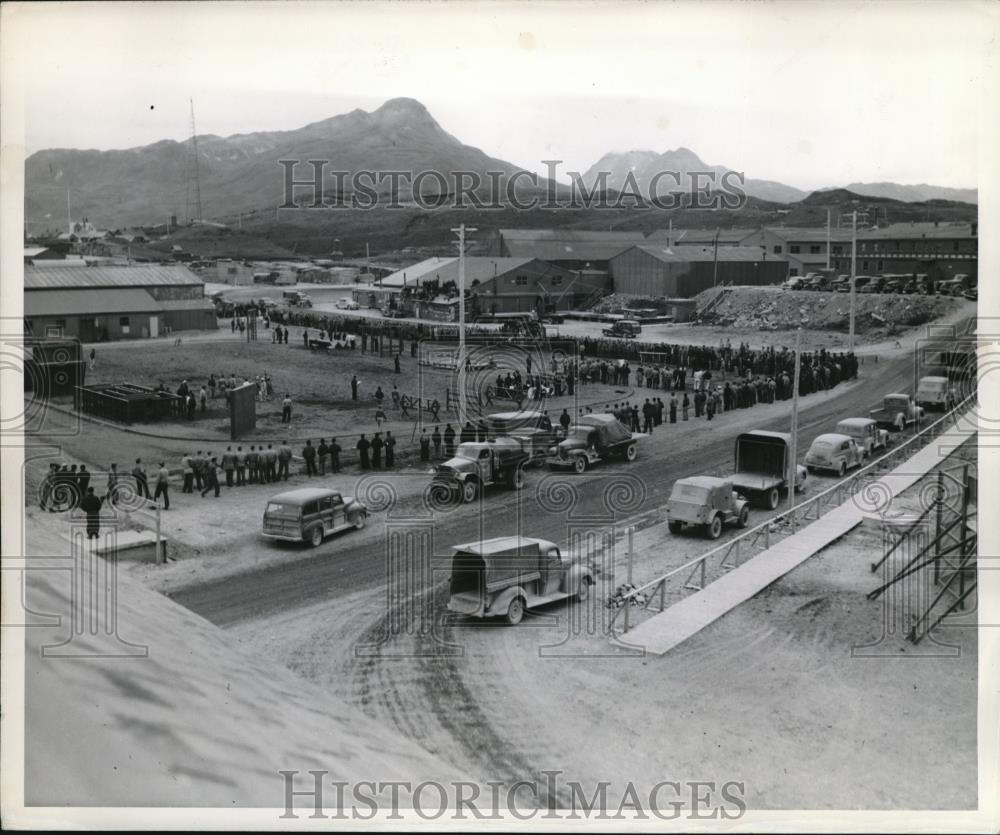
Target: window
[837,249]
[793,271]
[232,271]
[875,246]
[521,281]
[795,249]
[815,249]
[777,249]
[954,246]
[123,323]
[864,265]
[879,268]
[556,280]
[864,247]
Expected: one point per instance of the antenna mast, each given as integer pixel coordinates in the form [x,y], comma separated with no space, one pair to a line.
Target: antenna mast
[197,176]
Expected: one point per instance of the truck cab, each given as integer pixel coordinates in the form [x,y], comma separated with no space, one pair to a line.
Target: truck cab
[478,465]
[897,412]
[593,438]
[935,393]
[532,429]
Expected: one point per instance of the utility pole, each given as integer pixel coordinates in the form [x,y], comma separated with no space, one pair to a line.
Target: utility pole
[828,239]
[69,215]
[854,274]
[197,175]
[461,230]
[794,463]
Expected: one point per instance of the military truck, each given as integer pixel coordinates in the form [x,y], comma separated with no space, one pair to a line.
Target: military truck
[478,465]
[593,438]
[708,503]
[533,430]
[762,467]
[897,412]
[935,393]
[623,329]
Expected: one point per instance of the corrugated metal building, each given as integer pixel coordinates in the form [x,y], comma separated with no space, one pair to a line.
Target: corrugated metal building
[575,249]
[99,303]
[684,271]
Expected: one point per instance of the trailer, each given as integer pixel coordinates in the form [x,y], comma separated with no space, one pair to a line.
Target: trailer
[762,467]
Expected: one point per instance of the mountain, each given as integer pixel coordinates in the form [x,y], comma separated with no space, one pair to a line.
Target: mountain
[915,194]
[238,173]
[644,165]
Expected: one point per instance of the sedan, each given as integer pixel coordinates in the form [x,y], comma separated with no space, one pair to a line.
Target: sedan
[834,453]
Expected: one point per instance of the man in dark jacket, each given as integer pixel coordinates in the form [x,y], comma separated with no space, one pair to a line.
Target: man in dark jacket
[284,459]
[91,505]
[390,446]
[211,479]
[363,446]
[321,454]
[377,444]
[334,456]
[449,441]
[229,465]
[309,454]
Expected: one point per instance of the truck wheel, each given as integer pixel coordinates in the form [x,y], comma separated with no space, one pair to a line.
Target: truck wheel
[811,470]
[515,612]
[900,423]
[713,530]
[630,452]
[744,518]
[675,527]
[469,492]
[842,471]
[580,464]
[583,590]
[359,520]
[517,479]
[771,499]
[316,536]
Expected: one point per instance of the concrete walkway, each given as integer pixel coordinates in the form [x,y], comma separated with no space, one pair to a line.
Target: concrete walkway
[661,633]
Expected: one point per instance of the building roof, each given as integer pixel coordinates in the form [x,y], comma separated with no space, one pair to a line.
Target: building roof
[909,231]
[796,234]
[95,302]
[477,269]
[685,254]
[699,236]
[39,277]
[32,251]
[566,235]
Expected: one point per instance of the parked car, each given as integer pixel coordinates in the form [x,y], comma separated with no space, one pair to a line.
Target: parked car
[477,465]
[707,502]
[503,577]
[591,439]
[834,452]
[873,285]
[310,514]
[792,283]
[865,432]
[897,412]
[623,329]
[935,393]
[395,314]
[345,303]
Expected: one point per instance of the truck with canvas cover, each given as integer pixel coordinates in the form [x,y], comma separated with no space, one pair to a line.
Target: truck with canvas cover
[762,467]
[532,429]
[502,577]
[591,439]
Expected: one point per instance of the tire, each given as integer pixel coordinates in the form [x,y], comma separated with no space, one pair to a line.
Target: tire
[900,423]
[630,452]
[771,499]
[811,470]
[713,530]
[842,470]
[744,518]
[517,479]
[315,538]
[469,492]
[359,520]
[675,527]
[583,590]
[580,464]
[515,612]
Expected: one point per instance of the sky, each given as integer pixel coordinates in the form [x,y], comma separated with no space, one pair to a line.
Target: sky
[809,94]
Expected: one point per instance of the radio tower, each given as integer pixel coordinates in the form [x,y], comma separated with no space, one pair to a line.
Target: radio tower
[195,172]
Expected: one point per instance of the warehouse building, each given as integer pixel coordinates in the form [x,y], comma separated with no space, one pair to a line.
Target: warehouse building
[804,250]
[503,285]
[938,250]
[573,249]
[684,271]
[105,303]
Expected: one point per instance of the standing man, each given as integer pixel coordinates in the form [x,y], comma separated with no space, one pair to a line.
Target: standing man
[286,409]
[284,457]
[449,440]
[93,362]
[84,479]
[187,470]
[199,466]
[673,408]
[141,482]
[425,447]
[91,505]
[211,478]
[322,452]
[395,358]
[390,445]
[309,454]
[241,467]
[564,421]
[229,465]
[203,397]
[363,446]
[436,440]
[271,462]
[252,460]
[354,387]
[162,483]
[334,456]
[113,478]
[377,444]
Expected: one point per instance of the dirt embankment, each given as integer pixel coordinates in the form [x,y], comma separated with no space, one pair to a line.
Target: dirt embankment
[771,308]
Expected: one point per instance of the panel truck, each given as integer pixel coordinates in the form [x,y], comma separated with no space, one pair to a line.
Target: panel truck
[762,467]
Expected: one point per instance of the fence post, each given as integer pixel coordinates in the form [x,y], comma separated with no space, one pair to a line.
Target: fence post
[939,501]
[628,603]
[965,537]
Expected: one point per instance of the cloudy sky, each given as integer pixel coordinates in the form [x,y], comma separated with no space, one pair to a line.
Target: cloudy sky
[811,94]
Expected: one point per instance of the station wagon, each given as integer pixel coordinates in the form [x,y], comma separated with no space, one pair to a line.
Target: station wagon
[310,514]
